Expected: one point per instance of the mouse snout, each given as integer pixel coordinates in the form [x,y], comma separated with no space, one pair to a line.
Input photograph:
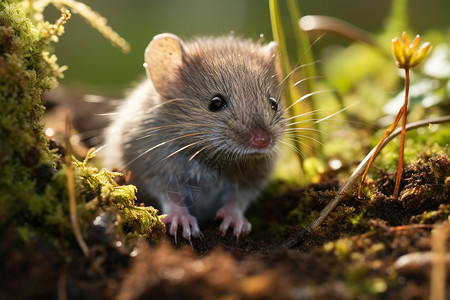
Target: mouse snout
[260,139]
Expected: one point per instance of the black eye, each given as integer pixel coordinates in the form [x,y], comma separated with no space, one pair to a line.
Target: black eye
[217,103]
[273,103]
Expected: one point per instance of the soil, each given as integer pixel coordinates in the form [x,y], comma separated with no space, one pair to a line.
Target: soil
[359,252]
[342,260]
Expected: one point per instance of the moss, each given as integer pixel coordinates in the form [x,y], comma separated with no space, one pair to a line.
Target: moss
[25,74]
[357,220]
[425,142]
[34,197]
[360,264]
[136,221]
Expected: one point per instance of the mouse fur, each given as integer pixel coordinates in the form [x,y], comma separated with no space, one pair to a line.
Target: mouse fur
[200,134]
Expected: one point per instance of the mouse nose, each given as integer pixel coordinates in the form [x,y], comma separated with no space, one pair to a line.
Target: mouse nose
[260,139]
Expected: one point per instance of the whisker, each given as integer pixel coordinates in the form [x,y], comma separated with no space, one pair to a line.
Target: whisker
[302,143]
[99,149]
[152,130]
[275,154]
[162,144]
[333,114]
[300,122]
[303,128]
[107,114]
[196,153]
[293,148]
[179,150]
[307,96]
[313,130]
[332,119]
[312,45]
[305,114]
[296,69]
[162,103]
[301,58]
[307,78]
[295,138]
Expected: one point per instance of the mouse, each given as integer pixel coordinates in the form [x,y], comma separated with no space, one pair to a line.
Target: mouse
[201,133]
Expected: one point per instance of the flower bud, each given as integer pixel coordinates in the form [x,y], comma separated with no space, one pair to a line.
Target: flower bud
[408,55]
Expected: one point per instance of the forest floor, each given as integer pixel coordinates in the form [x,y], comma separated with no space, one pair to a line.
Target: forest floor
[366,249]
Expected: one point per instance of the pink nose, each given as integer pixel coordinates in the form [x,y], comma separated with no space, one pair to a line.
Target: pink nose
[260,139]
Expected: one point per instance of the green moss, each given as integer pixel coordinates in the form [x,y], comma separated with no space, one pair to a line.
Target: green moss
[423,142]
[360,265]
[25,74]
[138,221]
[358,219]
[34,197]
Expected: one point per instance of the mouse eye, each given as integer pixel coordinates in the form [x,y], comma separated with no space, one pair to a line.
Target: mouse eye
[217,103]
[273,103]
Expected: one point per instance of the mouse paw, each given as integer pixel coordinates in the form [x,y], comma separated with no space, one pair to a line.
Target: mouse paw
[234,218]
[187,222]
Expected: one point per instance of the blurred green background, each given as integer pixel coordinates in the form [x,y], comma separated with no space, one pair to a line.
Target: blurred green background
[97,67]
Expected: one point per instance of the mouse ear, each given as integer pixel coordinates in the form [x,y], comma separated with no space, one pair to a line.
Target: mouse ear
[163,56]
[271,49]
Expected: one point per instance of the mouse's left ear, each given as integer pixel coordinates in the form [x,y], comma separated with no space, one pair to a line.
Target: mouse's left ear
[163,56]
[271,49]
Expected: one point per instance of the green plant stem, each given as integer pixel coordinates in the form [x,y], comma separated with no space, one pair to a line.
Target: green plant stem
[386,134]
[278,36]
[398,20]
[304,56]
[303,45]
[402,140]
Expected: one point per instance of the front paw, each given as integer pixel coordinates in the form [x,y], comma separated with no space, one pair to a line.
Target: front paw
[188,223]
[236,219]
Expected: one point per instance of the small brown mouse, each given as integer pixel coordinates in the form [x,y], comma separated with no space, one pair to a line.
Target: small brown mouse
[201,133]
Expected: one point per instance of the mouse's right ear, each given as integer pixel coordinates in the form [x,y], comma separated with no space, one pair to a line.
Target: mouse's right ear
[163,56]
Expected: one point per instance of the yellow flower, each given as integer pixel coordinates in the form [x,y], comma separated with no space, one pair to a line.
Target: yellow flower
[409,55]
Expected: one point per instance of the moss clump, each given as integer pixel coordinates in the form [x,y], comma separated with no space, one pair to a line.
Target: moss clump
[360,263]
[136,221]
[26,72]
[33,180]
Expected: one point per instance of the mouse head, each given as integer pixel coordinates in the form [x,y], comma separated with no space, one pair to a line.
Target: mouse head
[230,84]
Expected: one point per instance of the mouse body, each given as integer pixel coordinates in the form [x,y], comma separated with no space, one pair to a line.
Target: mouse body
[201,133]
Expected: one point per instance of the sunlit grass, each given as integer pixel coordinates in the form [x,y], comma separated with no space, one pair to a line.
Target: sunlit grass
[304,68]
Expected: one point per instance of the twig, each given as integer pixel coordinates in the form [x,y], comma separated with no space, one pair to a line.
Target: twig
[438,261]
[337,26]
[62,282]
[71,191]
[298,238]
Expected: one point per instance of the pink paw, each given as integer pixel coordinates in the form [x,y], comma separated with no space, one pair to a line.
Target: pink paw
[187,222]
[234,218]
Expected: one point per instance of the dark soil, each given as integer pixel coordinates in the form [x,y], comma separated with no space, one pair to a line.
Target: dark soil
[351,256]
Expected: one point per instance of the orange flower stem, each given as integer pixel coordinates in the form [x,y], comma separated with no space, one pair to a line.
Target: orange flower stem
[402,137]
[386,134]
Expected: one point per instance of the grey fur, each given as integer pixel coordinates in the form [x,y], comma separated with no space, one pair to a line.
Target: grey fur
[213,162]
